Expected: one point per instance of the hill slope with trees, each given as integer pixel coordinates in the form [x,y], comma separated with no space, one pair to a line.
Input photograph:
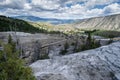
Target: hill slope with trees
[11,24]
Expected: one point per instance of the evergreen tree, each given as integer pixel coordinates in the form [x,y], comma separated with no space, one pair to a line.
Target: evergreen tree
[9,39]
[11,66]
[89,39]
[66,46]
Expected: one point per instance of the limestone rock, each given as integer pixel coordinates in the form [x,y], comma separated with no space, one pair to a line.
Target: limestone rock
[98,64]
[30,45]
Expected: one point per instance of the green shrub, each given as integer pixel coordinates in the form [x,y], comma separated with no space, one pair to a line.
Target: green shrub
[107,34]
[44,56]
[72,44]
[66,46]
[63,52]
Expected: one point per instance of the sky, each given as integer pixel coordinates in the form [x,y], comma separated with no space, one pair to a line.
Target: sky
[60,9]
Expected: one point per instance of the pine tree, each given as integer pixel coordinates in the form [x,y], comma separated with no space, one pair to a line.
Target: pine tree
[11,66]
[9,39]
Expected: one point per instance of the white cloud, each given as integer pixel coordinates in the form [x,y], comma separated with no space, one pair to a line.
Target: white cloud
[78,9]
[112,8]
[94,12]
[27,6]
[58,9]
[92,3]
[46,4]
[15,4]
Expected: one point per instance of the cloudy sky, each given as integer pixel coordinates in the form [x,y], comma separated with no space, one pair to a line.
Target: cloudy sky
[62,9]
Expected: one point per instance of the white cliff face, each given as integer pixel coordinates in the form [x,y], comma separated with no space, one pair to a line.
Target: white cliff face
[98,64]
[111,22]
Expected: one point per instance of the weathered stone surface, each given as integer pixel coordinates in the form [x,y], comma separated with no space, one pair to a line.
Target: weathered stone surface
[98,64]
[30,45]
[30,51]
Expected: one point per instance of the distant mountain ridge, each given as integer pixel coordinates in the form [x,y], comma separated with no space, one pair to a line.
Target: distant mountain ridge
[111,22]
[48,20]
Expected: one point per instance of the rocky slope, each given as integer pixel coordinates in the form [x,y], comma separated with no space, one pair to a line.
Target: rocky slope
[111,22]
[29,44]
[98,64]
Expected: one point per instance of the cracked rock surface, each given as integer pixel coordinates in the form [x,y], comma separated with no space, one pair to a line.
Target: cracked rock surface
[98,64]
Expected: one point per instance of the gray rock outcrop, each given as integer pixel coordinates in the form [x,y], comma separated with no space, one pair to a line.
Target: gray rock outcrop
[98,64]
[31,45]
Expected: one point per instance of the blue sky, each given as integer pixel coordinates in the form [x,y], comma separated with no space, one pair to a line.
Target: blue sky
[61,9]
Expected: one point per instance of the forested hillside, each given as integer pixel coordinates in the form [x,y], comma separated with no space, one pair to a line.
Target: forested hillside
[11,24]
